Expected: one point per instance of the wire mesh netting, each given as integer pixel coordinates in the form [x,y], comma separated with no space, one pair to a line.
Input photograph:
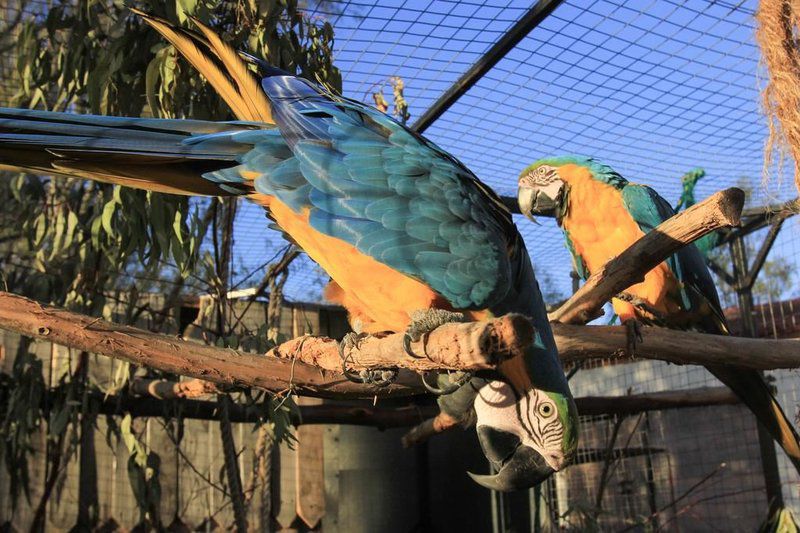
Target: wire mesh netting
[654,89]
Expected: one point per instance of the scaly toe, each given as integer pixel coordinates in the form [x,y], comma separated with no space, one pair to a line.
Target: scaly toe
[424,321]
[456,381]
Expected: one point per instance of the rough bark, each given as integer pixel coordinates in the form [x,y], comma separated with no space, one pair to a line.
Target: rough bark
[720,210]
[306,365]
[171,354]
[311,365]
[576,343]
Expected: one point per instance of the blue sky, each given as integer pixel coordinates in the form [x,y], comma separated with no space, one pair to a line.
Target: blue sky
[653,89]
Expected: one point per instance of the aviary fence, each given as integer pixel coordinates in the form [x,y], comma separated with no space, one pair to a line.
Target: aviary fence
[651,89]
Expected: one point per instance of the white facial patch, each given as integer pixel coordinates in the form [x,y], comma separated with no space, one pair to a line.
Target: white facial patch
[552,189]
[533,419]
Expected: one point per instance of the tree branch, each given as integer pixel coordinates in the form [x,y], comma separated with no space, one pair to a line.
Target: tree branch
[362,414]
[576,343]
[307,365]
[311,365]
[455,346]
[169,390]
[720,210]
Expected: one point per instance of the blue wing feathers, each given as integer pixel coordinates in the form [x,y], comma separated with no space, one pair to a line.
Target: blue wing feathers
[649,209]
[369,182]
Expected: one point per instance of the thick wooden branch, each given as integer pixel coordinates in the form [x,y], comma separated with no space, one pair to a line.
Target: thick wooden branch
[456,346]
[309,365]
[720,210]
[177,356]
[576,343]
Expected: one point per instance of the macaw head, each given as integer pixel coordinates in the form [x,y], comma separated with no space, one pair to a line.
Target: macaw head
[527,430]
[544,186]
[526,437]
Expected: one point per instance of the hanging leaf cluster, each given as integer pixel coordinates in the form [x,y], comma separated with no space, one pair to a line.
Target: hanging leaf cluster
[71,242]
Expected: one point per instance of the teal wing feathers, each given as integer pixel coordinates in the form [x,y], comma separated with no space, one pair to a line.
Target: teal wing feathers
[577,260]
[371,182]
[698,292]
[649,209]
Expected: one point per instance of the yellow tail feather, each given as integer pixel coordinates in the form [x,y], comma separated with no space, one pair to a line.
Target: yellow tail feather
[237,85]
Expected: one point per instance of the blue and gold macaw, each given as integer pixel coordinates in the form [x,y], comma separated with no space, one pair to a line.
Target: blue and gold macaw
[601,214]
[398,224]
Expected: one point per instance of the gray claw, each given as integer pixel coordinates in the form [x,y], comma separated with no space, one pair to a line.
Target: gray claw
[379,378]
[461,379]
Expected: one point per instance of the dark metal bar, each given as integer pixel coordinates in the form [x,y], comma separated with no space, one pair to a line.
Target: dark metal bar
[509,40]
[761,257]
[769,459]
[721,272]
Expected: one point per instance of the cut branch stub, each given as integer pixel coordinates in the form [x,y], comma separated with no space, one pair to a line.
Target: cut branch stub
[720,210]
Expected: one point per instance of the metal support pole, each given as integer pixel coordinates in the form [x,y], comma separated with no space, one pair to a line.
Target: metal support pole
[509,40]
[744,294]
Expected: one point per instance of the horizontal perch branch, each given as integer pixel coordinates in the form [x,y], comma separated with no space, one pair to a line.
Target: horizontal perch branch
[720,210]
[455,346]
[171,354]
[311,365]
[392,417]
[170,390]
[577,343]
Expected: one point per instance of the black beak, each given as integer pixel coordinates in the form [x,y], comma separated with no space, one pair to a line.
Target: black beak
[518,466]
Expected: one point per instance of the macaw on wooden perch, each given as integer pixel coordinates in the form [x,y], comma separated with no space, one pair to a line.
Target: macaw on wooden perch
[410,237]
[601,214]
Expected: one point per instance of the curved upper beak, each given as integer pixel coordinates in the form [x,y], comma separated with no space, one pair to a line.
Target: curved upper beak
[518,466]
[540,201]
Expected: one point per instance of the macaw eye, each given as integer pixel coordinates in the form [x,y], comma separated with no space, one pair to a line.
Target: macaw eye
[546,410]
[541,171]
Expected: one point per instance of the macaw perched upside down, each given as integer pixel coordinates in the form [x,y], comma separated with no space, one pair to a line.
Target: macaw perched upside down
[601,215]
[398,224]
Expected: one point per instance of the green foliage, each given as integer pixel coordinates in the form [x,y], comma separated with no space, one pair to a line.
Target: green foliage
[67,241]
[143,468]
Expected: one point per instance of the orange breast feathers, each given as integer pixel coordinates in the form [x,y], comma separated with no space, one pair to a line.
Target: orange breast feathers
[601,228]
[377,297]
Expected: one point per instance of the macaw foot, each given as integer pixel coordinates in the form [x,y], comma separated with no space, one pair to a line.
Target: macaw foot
[453,382]
[379,378]
[423,322]
[633,334]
